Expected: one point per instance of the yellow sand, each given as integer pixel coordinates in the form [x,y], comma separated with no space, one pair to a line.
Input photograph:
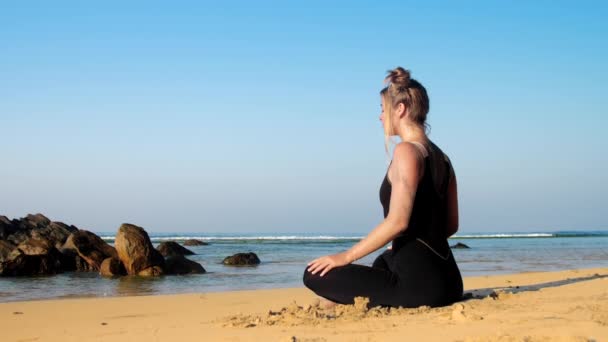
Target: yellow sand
[546,306]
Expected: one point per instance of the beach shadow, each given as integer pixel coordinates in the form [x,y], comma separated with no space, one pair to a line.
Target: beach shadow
[494,292]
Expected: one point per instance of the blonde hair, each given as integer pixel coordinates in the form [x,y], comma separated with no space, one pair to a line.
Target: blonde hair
[401,88]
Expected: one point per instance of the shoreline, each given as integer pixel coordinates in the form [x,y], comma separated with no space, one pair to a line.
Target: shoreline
[245,291]
[561,305]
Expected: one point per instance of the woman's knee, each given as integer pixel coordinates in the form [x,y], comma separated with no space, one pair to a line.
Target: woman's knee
[307,278]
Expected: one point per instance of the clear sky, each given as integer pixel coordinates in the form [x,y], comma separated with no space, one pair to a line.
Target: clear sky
[260,117]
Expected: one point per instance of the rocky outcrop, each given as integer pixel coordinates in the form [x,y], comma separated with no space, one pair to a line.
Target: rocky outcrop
[35,226]
[195,242]
[178,264]
[136,251]
[460,245]
[36,258]
[90,248]
[242,259]
[112,267]
[169,248]
[35,245]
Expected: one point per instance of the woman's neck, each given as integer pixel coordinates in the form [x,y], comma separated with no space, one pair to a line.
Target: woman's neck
[412,132]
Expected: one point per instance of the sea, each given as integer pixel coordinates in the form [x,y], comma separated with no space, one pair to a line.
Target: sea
[284,258]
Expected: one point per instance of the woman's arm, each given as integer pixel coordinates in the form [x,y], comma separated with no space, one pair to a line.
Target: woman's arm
[405,175]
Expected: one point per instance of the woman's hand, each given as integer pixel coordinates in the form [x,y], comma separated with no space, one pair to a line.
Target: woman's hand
[326,263]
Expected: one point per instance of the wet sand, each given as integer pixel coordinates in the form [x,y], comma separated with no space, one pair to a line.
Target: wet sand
[541,306]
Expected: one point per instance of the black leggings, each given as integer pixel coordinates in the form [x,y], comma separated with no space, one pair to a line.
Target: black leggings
[410,276]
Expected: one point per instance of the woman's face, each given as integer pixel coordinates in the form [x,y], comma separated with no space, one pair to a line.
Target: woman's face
[382,110]
[383,115]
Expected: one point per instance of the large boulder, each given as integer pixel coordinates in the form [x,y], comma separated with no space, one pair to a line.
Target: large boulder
[12,260]
[168,248]
[195,242]
[242,259]
[34,246]
[71,261]
[36,260]
[178,264]
[136,251]
[90,248]
[56,232]
[112,267]
[35,226]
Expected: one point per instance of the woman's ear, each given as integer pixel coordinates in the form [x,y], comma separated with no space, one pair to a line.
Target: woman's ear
[401,110]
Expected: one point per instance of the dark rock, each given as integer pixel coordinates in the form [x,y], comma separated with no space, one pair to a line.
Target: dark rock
[178,264]
[57,232]
[71,261]
[37,220]
[136,252]
[195,242]
[6,228]
[242,259]
[35,226]
[5,220]
[14,262]
[90,248]
[11,259]
[112,267]
[33,246]
[169,248]
[460,245]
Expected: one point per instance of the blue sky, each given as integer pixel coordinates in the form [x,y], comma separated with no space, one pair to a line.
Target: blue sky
[263,116]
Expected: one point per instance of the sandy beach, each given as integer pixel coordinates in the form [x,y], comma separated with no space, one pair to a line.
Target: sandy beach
[545,306]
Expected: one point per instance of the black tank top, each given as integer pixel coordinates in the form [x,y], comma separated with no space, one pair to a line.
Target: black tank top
[428,220]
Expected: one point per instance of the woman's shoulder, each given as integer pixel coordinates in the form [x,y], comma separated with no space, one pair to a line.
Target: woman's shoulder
[406,152]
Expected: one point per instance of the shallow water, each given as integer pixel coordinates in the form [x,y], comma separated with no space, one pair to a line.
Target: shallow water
[284,258]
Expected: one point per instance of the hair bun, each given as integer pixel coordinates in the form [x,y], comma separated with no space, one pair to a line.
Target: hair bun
[399,77]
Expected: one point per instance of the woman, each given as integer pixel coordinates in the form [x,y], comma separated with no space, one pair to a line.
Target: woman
[419,198]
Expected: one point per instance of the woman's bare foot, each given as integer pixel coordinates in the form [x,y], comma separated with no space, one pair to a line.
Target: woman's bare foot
[326,303]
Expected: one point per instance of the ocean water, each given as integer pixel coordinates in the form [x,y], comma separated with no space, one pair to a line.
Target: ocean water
[284,258]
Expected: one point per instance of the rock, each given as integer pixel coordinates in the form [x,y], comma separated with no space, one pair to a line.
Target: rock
[460,245]
[6,228]
[14,262]
[71,261]
[37,220]
[242,259]
[33,246]
[56,232]
[178,264]
[136,252]
[5,220]
[90,247]
[112,267]
[11,259]
[35,226]
[195,242]
[168,248]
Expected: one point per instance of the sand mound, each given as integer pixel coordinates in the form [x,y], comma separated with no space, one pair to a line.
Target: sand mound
[313,314]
